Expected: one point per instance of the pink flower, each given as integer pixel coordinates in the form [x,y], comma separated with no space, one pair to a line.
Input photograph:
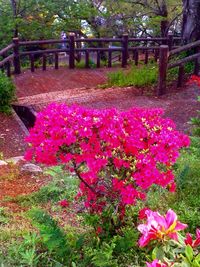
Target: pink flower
[142,213]
[156,263]
[189,240]
[64,203]
[159,227]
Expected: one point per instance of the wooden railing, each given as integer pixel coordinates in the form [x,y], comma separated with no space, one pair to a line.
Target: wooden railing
[128,48]
[180,63]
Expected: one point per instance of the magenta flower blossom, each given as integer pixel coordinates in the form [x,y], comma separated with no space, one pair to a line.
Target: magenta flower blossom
[156,263]
[160,227]
[190,241]
[64,203]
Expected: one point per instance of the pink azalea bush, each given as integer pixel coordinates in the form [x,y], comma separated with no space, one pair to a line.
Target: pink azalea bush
[116,155]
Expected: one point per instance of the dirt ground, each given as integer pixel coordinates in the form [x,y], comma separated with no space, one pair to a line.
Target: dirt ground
[81,86]
[14,182]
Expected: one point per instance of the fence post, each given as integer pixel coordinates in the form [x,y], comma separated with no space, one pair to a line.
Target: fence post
[124,50]
[170,40]
[196,63]
[71,50]
[180,75]
[16,59]
[163,62]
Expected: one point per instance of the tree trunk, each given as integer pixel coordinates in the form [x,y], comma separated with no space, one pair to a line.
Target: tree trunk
[14,10]
[164,27]
[191,20]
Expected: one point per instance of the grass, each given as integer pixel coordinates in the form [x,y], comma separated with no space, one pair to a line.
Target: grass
[138,76]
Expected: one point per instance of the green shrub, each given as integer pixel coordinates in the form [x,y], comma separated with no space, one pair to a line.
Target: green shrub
[196,123]
[81,64]
[7,93]
[138,76]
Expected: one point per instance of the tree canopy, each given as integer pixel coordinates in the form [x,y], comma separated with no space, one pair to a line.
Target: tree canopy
[39,19]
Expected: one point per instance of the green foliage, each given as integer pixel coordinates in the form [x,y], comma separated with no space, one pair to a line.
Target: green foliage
[141,76]
[196,123]
[53,237]
[63,186]
[188,66]
[23,253]
[7,93]
[81,64]
[4,218]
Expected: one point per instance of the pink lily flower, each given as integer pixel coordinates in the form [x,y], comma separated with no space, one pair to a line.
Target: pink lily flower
[160,227]
[189,240]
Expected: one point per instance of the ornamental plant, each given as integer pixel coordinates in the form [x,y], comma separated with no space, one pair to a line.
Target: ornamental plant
[7,93]
[116,155]
[169,248]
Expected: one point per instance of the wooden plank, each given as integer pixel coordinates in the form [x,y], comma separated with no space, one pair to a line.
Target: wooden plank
[44,62]
[146,59]
[163,61]
[125,50]
[32,63]
[2,62]
[72,51]
[56,61]
[38,42]
[184,48]
[87,62]
[180,76]
[98,59]
[184,60]
[136,57]
[109,59]
[41,52]
[6,49]
[16,56]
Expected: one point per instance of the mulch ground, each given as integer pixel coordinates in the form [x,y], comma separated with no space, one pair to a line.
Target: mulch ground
[14,183]
[11,137]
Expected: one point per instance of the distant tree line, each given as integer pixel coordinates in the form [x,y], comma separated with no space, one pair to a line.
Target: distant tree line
[39,19]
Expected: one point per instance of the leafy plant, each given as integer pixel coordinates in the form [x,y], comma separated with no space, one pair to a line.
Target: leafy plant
[7,93]
[137,76]
[51,234]
[4,218]
[81,64]
[196,122]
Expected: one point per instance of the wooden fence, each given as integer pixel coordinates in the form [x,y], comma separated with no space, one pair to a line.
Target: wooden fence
[11,56]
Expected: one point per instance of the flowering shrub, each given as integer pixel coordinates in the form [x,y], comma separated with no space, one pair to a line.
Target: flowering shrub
[194,79]
[116,155]
[170,247]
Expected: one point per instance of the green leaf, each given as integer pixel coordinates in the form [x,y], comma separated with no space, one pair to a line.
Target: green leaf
[158,253]
[189,253]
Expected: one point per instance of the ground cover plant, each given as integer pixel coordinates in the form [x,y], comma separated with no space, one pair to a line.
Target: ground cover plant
[89,212]
[7,93]
[137,76]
